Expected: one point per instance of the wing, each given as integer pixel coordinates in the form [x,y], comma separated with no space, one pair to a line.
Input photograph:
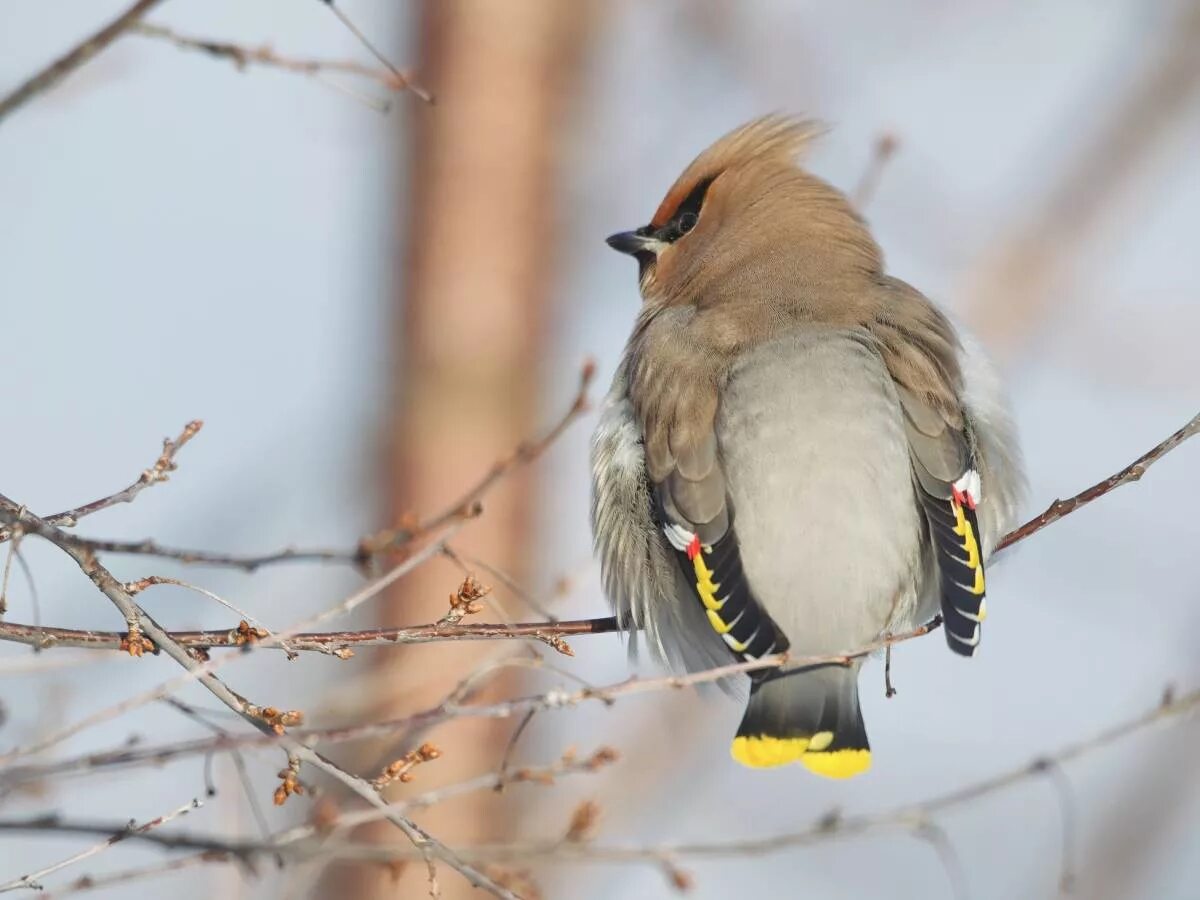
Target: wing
[693,512]
[948,485]
[638,569]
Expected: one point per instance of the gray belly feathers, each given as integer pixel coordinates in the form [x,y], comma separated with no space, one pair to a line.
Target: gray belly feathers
[820,487]
[820,482]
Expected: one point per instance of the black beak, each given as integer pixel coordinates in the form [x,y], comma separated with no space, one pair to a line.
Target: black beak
[630,242]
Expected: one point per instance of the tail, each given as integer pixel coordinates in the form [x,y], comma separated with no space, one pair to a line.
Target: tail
[810,716]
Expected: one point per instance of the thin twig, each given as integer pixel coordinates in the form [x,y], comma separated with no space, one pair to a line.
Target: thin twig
[76,57]
[158,472]
[511,747]
[32,881]
[936,837]
[242,56]
[141,623]
[889,689]
[239,764]
[355,599]
[1132,472]
[371,48]
[522,455]
[447,709]
[321,642]
[833,826]
[112,879]
[259,631]
[247,563]
[505,579]
[374,547]
[1068,813]
[8,561]
[881,154]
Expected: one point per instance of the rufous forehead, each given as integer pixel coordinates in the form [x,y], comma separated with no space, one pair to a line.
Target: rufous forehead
[676,195]
[771,139]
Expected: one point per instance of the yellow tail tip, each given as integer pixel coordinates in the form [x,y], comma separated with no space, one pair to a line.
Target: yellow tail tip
[837,763]
[763,752]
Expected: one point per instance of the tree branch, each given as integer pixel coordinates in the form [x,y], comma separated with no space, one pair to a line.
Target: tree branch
[76,57]
[1132,472]
[158,472]
[241,57]
[294,843]
[266,720]
[371,548]
[449,708]
[320,641]
[116,835]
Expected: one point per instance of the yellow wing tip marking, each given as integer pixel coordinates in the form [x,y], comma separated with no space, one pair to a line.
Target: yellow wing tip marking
[705,586]
[970,546]
[964,530]
[837,763]
[715,621]
[763,752]
[978,588]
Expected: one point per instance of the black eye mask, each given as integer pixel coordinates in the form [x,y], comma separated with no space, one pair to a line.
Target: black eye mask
[685,218]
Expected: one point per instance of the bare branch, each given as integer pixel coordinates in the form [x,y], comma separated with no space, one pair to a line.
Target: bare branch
[76,57]
[266,720]
[371,548]
[242,57]
[447,709]
[111,879]
[245,562]
[833,826]
[158,472]
[322,642]
[1132,472]
[355,599]
[881,154]
[373,50]
[522,455]
[32,881]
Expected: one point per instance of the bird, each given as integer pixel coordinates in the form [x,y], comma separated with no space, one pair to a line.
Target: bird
[799,453]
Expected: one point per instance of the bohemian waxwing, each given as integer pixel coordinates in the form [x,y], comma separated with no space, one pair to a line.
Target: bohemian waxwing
[799,453]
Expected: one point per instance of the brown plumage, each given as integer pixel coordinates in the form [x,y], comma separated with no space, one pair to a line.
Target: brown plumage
[777,376]
[708,299]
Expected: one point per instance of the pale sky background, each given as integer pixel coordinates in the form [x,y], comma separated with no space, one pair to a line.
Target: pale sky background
[178,240]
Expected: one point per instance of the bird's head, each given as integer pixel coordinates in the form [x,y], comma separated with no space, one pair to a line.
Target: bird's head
[744,217]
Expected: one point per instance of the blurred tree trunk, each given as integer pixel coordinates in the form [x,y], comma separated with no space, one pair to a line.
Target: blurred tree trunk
[470,329]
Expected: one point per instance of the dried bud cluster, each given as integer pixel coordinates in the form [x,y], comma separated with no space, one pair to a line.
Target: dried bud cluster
[135,643]
[278,719]
[246,634]
[401,769]
[289,782]
[570,762]
[465,601]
